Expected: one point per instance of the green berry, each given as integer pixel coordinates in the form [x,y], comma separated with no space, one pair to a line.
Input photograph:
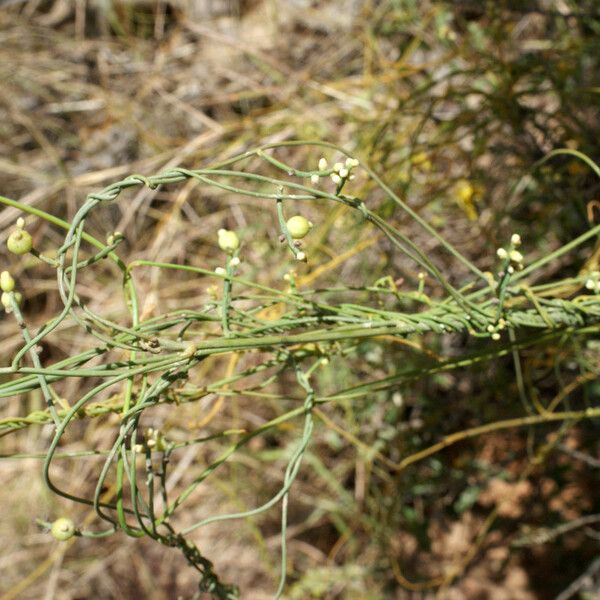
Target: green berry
[63,529]
[228,241]
[19,242]
[7,283]
[298,226]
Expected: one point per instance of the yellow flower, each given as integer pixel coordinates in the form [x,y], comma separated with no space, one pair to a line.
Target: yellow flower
[466,195]
[421,160]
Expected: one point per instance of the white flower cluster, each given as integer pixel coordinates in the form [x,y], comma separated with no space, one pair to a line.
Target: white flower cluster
[593,282]
[512,254]
[496,329]
[342,172]
[154,440]
[7,285]
[229,242]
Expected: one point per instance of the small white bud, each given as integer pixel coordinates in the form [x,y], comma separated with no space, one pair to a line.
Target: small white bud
[20,223]
[301,256]
[515,239]
[5,299]
[590,284]
[314,179]
[510,270]
[228,241]
[7,283]
[491,328]
[501,253]
[235,261]
[351,163]
[495,336]
[344,173]
[220,271]
[335,178]
[322,163]
[113,237]
[516,256]
[338,166]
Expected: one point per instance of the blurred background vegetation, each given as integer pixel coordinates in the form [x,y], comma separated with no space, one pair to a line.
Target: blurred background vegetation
[453,103]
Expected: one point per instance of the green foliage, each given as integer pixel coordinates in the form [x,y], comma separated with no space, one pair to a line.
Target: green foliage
[165,350]
[376,395]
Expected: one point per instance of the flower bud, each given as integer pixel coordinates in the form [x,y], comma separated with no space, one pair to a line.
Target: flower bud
[228,241]
[5,300]
[7,283]
[516,256]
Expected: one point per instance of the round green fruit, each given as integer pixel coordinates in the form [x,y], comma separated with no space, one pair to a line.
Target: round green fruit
[63,529]
[19,242]
[298,226]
